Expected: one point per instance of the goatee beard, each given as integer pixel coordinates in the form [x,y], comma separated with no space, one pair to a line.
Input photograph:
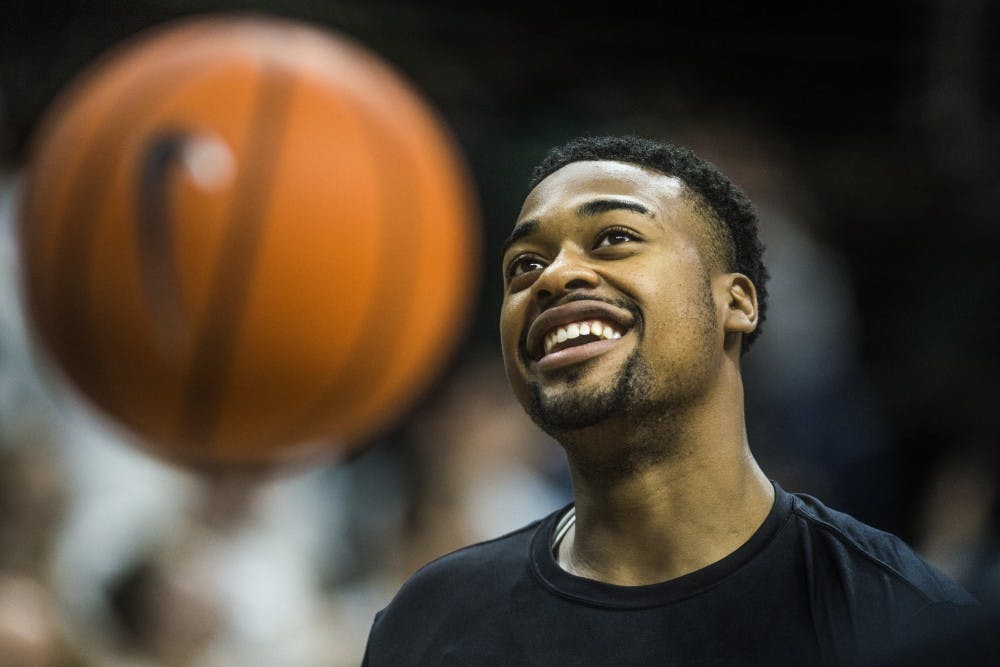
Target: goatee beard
[578,409]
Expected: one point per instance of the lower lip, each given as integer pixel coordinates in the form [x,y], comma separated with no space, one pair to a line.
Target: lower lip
[574,355]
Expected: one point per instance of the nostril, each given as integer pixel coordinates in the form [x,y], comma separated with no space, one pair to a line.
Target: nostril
[577,283]
[543,293]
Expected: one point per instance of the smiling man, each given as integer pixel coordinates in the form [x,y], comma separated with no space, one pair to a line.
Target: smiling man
[634,283]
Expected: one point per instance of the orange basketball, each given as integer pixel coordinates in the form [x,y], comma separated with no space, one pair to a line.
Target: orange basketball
[248,240]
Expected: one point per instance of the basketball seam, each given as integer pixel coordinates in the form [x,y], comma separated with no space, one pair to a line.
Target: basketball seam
[385,302]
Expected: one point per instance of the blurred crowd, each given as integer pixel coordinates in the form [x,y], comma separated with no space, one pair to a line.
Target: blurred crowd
[111,558]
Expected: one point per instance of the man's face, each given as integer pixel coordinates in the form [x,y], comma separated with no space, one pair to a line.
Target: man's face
[608,311]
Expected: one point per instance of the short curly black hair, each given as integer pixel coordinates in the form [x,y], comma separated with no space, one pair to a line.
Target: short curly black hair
[737,244]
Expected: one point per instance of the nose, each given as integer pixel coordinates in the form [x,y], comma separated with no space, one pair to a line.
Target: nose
[567,272]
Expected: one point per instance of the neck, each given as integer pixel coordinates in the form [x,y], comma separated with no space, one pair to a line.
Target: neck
[662,516]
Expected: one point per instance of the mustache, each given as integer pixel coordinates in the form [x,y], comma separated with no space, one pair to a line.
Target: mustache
[621,303]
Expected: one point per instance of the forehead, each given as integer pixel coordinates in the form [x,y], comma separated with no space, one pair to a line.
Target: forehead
[580,182]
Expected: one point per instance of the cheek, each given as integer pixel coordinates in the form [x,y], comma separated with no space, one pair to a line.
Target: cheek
[510,336]
[515,376]
[508,346]
[508,333]
[680,314]
[512,314]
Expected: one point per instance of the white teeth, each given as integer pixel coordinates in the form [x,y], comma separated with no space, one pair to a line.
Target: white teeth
[593,328]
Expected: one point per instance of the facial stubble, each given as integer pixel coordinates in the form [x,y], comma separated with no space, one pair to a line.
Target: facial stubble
[625,401]
[579,408]
[629,398]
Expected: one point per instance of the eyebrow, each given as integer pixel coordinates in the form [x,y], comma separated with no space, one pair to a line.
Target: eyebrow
[526,228]
[598,206]
[587,210]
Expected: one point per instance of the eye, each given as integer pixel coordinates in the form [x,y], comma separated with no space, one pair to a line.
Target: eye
[523,264]
[615,236]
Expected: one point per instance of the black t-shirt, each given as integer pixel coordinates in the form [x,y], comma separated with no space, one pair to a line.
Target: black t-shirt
[812,586]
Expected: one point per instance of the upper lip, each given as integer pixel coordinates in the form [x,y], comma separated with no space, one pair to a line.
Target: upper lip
[574,311]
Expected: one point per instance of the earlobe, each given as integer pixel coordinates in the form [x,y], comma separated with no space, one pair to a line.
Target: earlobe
[741,314]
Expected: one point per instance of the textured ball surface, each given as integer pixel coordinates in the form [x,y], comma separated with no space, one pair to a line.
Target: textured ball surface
[247,239]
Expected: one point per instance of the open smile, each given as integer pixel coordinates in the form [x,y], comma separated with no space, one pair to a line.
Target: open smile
[579,333]
[575,331]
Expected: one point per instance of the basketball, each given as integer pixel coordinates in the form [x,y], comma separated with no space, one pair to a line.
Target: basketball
[249,240]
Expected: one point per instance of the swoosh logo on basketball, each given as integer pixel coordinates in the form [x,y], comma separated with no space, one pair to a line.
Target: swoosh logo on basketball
[160,280]
[67,307]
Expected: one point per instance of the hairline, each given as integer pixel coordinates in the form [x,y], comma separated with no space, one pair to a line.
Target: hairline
[716,243]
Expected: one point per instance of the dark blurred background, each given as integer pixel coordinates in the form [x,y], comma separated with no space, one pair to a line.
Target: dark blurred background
[868,136]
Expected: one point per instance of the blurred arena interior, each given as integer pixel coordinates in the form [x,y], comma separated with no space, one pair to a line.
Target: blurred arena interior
[868,138]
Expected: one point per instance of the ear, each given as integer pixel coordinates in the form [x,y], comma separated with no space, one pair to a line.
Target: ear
[741,311]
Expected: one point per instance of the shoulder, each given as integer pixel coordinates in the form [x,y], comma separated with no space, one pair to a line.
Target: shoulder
[867,552]
[452,596]
[482,564]
[466,577]
[869,592]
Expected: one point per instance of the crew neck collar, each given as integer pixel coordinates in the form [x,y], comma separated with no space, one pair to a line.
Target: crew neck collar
[560,582]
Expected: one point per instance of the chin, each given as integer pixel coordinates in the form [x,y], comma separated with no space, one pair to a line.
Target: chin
[577,401]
